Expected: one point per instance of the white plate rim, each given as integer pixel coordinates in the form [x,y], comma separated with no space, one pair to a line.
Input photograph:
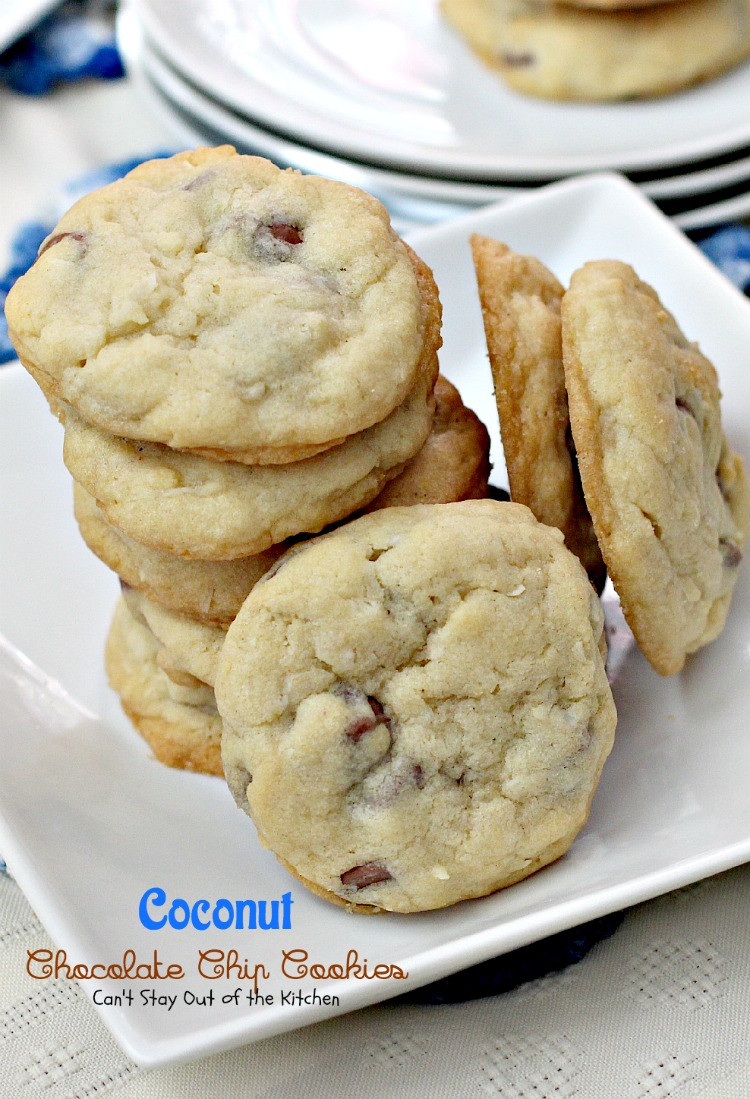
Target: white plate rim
[408,209]
[195,62]
[717,213]
[178,91]
[144,58]
[19,16]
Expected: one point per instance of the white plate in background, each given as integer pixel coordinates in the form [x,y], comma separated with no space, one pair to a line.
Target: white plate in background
[88,821]
[413,201]
[187,100]
[391,83]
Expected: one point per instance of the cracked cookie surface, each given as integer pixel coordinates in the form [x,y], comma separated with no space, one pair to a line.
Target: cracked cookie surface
[520,301]
[415,706]
[667,495]
[212,300]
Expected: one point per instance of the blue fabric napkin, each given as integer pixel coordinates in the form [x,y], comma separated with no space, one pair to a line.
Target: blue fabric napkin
[75,42]
[729,248]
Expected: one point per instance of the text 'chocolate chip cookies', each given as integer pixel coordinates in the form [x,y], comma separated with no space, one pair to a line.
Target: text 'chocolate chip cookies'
[415,705]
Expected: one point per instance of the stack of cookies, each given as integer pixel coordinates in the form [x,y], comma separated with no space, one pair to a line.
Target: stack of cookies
[612,432]
[601,50]
[240,356]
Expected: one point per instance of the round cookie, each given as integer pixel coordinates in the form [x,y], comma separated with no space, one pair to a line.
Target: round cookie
[453,464]
[180,724]
[667,496]
[559,52]
[415,706]
[212,300]
[193,646]
[193,507]
[210,591]
[520,301]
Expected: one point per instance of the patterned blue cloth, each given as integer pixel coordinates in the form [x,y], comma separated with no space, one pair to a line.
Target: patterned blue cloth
[75,42]
[730,251]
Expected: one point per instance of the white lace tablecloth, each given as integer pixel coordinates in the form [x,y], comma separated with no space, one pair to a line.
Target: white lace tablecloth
[660,1010]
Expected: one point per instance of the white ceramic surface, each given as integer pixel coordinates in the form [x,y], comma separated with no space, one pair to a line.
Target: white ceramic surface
[88,821]
[413,200]
[17,16]
[390,83]
[195,120]
[185,98]
[696,183]
[207,112]
[715,213]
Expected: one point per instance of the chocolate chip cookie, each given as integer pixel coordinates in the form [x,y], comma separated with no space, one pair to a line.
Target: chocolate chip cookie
[520,301]
[453,464]
[180,724]
[191,646]
[193,507]
[559,52]
[210,591]
[415,706]
[213,301]
[667,495]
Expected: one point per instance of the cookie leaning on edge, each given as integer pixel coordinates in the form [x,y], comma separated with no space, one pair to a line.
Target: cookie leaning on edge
[520,301]
[667,495]
[415,706]
[212,300]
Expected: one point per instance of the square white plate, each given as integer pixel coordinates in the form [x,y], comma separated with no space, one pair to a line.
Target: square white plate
[88,822]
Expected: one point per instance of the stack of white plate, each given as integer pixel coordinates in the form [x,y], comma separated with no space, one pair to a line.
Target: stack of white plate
[382,94]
